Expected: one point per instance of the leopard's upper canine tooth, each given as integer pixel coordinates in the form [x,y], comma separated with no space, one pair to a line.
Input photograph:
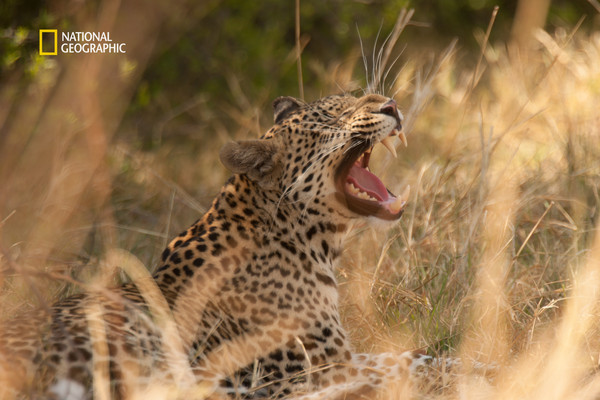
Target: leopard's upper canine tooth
[402,137]
[388,142]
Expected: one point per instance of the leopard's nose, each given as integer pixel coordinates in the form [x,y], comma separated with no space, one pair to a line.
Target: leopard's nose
[390,108]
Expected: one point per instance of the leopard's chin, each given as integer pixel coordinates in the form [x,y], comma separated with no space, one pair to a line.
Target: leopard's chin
[362,191]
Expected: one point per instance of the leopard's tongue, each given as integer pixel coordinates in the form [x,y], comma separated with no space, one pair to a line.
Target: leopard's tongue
[367,182]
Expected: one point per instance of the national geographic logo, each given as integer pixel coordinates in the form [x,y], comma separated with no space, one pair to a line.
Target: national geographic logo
[50,50]
[78,42]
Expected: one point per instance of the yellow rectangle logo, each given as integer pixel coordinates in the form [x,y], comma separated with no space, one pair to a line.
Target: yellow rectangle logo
[55,49]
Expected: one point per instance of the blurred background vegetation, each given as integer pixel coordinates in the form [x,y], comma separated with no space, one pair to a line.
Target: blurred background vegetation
[226,49]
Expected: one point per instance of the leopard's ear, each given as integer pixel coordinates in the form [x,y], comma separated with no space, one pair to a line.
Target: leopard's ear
[283,106]
[259,159]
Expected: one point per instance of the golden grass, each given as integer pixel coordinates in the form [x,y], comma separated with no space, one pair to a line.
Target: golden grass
[496,259]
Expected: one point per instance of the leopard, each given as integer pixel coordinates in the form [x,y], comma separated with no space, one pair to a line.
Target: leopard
[245,300]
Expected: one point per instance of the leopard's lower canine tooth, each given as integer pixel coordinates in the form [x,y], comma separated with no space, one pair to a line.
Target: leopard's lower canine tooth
[388,142]
[400,201]
[402,137]
[397,205]
[405,193]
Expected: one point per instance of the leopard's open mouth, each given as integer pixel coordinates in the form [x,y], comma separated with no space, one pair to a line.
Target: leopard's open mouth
[361,190]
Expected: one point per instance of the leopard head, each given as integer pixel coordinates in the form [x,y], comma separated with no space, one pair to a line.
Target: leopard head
[319,153]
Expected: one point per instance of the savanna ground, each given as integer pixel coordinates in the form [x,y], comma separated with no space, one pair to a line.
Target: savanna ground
[496,258]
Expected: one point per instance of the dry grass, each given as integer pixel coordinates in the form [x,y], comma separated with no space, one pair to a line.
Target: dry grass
[496,258]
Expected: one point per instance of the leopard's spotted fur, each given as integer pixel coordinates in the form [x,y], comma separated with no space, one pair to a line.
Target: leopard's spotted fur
[250,286]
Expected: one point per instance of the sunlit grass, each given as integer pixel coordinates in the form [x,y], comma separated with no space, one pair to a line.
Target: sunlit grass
[494,255]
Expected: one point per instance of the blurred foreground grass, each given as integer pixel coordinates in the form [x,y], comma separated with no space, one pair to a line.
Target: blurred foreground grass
[496,258]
